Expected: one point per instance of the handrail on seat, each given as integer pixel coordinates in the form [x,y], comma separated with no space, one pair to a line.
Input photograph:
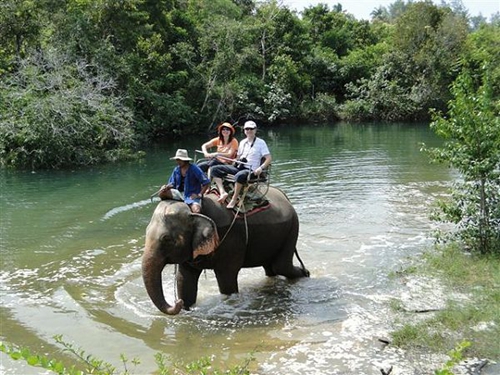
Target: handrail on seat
[198,159]
[259,185]
[255,186]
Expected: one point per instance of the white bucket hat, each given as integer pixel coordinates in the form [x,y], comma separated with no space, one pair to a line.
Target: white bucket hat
[181,154]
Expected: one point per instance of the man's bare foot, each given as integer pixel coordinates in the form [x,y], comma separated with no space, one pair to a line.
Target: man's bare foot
[222,197]
[231,205]
[195,208]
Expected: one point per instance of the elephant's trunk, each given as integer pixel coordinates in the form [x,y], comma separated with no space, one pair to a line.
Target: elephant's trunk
[152,268]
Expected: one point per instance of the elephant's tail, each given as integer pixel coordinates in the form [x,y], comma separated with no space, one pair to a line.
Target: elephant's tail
[304,269]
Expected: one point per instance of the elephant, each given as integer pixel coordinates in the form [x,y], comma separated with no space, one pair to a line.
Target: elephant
[216,239]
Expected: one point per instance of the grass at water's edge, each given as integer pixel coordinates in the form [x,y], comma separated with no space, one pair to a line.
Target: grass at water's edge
[474,318]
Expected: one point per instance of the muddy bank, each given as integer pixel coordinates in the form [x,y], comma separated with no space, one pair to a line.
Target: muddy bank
[416,300]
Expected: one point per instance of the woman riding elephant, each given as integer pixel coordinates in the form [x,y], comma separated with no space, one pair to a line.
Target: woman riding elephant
[216,240]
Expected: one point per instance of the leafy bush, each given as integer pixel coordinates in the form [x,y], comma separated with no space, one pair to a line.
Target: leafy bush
[59,113]
[388,95]
[472,140]
[322,109]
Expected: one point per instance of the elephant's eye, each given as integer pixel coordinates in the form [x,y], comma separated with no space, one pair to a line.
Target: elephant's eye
[180,241]
[166,239]
[173,241]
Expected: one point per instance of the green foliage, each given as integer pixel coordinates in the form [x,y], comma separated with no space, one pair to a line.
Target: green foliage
[177,66]
[391,13]
[57,114]
[478,277]
[88,364]
[285,79]
[432,39]
[202,366]
[456,355]
[472,140]
[322,109]
[388,95]
[407,334]
[20,27]
[483,51]
[361,63]
[426,45]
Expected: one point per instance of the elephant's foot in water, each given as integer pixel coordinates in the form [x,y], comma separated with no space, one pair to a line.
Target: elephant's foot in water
[292,272]
[298,272]
[269,271]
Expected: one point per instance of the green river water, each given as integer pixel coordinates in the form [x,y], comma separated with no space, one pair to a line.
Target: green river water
[71,243]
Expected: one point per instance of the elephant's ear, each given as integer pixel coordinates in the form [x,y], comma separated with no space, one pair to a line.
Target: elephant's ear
[205,237]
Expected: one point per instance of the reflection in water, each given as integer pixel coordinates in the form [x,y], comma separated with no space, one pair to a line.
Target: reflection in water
[71,246]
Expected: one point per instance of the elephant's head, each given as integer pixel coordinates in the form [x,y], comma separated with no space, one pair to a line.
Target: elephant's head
[173,236]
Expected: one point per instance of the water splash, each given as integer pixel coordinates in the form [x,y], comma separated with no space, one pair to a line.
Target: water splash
[127,207]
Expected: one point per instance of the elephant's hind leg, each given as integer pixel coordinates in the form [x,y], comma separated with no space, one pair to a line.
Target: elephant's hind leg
[283,263]
[270,271]
[287,269]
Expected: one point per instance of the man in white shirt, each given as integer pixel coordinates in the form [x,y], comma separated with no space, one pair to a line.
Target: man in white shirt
[251,151]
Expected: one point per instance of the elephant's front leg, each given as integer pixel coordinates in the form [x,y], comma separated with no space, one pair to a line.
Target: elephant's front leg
[227,279]
[187,284]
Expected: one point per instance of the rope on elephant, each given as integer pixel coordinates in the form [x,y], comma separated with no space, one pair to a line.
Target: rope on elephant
[254,211]
[236,216]
[246,228]
[228,230]
[155,194]
[240,205]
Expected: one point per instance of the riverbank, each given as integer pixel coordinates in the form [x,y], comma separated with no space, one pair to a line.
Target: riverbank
[450,299]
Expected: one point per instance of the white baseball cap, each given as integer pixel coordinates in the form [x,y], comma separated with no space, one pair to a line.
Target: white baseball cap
[250,125]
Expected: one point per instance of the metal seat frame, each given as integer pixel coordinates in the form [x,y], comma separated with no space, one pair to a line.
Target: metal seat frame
[257,188]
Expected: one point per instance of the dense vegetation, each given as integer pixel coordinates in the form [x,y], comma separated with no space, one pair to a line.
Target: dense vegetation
[471,134]
[85,81]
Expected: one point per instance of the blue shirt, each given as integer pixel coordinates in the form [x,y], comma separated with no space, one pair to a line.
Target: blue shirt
[193,181]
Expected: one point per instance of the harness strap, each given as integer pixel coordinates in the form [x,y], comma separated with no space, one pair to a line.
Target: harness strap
[240,203]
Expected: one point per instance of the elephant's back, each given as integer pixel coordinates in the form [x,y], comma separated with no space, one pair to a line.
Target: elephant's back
[279,209]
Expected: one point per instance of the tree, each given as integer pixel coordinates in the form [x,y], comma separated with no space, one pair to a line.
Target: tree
[471,132]
[433,39]
[416,73]
[20,25]
[56,113]
[482,49]
[391,13]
